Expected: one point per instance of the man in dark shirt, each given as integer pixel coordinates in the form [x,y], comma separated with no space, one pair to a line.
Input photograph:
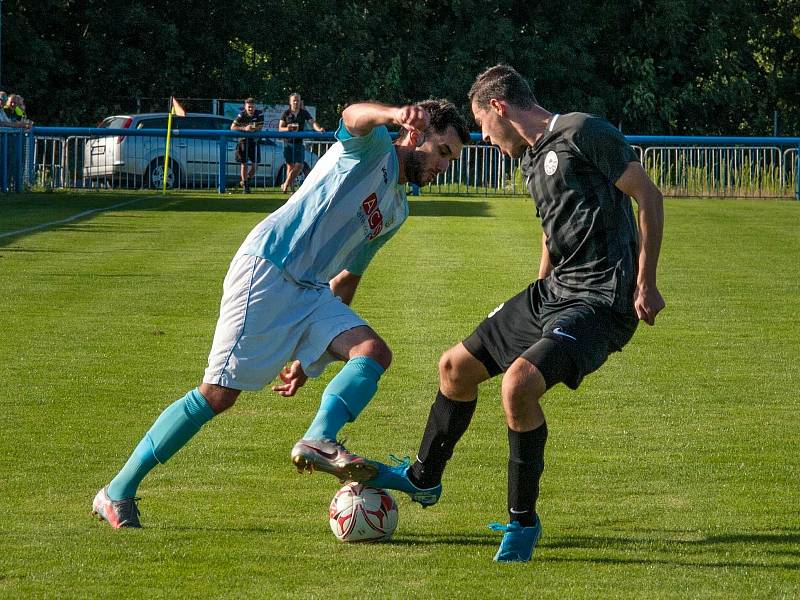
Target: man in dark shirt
[596,280]
[295,118]
[247,150]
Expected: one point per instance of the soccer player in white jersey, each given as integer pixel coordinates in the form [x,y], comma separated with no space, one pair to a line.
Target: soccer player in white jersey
[285,306]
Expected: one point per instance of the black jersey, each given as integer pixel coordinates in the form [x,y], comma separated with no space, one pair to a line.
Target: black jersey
[592,237]
[243,118]
[300,118]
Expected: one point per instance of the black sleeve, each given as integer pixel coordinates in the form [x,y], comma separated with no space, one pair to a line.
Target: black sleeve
[605,147]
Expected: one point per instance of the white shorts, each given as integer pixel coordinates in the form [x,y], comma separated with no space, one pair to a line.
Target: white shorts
[266,321]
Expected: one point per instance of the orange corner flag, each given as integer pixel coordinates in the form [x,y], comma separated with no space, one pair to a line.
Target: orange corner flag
[177,109]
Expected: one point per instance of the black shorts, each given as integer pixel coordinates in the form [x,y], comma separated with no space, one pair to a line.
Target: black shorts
[247,150]
[294,153]
[566,341]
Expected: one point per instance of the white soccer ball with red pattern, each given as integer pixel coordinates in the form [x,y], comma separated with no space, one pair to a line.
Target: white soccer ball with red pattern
[360,513]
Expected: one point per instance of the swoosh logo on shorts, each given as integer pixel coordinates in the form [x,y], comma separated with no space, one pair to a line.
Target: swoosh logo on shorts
[562,333]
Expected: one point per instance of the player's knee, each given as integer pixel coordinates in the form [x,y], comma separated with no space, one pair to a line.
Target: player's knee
[523,382]
[450,371]
[219,398]
[376,349]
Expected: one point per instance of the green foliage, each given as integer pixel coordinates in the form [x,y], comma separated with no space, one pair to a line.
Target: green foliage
[662,66]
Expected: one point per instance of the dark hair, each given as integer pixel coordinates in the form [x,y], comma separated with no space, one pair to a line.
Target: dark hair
[443,114]
[501,82]
[250,101]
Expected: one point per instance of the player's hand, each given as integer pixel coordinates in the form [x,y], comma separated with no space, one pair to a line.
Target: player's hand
[413,118]
[648,303]
[293,379]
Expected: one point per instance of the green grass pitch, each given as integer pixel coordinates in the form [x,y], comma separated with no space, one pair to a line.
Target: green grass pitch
[672,473]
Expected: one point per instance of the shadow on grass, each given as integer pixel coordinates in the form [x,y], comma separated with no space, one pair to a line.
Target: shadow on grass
[223,204]
[712,551]
[716,551]
[442,539]
[28,214]
[449,208]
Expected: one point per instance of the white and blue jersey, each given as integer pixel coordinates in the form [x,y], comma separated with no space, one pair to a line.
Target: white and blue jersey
[347,208]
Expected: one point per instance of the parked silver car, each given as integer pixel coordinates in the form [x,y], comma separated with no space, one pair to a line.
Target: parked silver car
[138,161]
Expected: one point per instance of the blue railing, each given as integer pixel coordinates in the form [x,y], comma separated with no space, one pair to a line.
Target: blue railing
[785,145]
[221,137]
[681,165]
[12,158]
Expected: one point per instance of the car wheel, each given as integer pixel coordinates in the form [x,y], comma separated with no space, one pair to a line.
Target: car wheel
[154,178]
[301,177]
[298,180]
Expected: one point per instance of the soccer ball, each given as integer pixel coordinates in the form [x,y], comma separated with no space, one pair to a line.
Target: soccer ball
[359,513]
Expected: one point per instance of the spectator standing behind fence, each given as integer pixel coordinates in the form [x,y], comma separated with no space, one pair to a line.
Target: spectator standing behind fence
[6,121]
[13,115]
[295,118]
[247,151]
[14,109]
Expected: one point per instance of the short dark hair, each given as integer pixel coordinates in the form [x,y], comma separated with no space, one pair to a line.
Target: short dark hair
[250,101]
[443,114]
[503,83]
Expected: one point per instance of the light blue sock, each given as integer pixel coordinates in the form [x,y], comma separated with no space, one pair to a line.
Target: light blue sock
[173,428]
[345,397]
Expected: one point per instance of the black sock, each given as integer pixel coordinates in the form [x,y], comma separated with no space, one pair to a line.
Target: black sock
[525,466]
[447,422]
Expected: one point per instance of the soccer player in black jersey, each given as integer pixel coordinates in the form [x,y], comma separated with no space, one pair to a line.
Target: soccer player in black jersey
[596,280]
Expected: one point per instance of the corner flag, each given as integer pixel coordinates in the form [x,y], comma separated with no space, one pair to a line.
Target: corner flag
[177,109]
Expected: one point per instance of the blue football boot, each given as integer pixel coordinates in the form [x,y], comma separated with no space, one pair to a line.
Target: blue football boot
[518,541]
[395,477]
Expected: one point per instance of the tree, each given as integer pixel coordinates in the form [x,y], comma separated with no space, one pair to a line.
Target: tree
[660,66]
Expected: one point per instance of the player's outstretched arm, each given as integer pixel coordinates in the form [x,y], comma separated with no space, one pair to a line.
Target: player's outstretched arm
[635,183]
[344,286]
[363,117]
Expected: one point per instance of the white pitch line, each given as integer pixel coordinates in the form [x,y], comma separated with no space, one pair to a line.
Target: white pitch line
[69,219]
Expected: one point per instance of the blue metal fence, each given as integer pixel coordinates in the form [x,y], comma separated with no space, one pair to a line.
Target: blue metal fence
[12,159]
[99,157]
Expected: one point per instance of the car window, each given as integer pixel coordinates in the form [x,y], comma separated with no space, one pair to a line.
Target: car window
[153,123]
[187,122]
[114,122]
[208,122]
